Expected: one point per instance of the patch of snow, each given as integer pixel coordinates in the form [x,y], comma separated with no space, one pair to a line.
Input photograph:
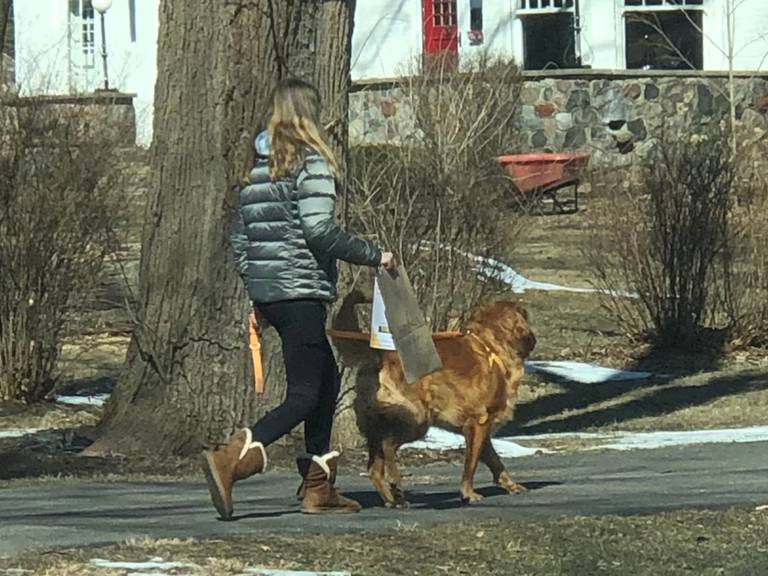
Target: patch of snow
[584,373]
[95,400]
[437,439]
[661,439]
[18,432]
[491,268]
[563,436]
[508,446]
[151,564]
[647,440]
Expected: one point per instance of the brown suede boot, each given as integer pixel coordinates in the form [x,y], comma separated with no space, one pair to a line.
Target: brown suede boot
[320,495]
[239,459]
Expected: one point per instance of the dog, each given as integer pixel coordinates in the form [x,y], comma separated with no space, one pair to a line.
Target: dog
[473,395]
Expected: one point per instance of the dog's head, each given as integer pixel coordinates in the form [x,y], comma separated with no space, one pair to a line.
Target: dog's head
[507,323]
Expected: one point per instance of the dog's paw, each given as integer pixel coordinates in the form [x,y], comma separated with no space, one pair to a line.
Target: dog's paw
[510,486]
[400,501]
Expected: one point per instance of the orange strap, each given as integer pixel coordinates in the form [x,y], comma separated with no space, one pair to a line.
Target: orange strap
[254,343]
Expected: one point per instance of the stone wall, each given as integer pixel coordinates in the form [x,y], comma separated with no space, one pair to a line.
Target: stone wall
[7,73]
[616,116]
[105,110]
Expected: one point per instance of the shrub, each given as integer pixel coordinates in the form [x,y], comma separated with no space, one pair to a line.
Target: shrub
[57,207]
[436,196]
[668,243]
[748,294]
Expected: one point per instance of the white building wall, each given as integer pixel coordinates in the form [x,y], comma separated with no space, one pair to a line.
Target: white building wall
[498,25]
[386,38]
[386,43]
[750,46]
[49,60]
[601,33]
[41,36]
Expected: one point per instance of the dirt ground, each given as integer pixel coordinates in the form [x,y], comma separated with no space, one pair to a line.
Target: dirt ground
[724,543]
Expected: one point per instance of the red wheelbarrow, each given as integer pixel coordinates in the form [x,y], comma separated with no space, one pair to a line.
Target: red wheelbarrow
[542,175]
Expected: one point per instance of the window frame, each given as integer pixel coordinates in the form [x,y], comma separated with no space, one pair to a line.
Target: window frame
[524,8]
[667,6]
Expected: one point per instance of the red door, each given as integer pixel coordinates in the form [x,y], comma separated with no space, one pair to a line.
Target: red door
[441,30]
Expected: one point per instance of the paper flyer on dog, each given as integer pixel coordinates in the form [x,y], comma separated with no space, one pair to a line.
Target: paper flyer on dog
[381,338]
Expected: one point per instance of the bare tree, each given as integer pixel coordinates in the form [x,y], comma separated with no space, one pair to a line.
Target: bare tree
[187,380]
[437,195]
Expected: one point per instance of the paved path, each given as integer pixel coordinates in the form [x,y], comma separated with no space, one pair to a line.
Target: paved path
[71,513]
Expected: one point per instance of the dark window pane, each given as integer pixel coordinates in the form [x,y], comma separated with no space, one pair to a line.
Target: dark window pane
[664,40]
[476,15]
[549,40]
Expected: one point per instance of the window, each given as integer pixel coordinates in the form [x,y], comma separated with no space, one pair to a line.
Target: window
[89,34]
[475,14]
[475,22]
[668,3]
[83,18]
[544,4]
[664,34]
[548,34]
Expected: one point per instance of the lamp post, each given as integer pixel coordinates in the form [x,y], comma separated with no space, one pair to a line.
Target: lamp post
[101,6]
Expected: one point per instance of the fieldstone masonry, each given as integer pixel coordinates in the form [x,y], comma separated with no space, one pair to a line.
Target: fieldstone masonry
[616,116]
[7,82]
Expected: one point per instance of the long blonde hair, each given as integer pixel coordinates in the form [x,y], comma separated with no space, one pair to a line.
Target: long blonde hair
[294,126]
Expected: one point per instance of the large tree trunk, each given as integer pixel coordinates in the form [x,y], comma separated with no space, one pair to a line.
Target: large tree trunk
[6,30]
[188,380]
[7,52]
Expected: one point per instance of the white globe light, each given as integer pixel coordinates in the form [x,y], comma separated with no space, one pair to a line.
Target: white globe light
[101,6]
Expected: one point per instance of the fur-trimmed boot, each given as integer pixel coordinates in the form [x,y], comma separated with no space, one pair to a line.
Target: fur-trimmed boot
[319,493]
[239,459]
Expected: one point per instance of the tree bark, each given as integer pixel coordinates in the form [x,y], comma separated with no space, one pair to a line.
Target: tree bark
[187,380]
[6,30]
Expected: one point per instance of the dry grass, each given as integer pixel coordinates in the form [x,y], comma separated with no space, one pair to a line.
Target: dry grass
[46,415]
[723,543]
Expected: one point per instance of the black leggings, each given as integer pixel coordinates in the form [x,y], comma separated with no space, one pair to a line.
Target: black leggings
[311,371]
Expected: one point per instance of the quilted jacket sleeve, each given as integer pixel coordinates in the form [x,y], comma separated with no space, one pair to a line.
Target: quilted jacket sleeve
[238,240]
[317,201]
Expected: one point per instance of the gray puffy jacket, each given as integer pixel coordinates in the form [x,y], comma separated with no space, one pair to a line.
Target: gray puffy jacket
[285,238]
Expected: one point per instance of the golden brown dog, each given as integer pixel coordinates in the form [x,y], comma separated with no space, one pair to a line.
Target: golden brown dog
[473,395]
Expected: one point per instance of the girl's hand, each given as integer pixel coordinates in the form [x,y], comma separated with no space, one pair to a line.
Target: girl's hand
[387,261]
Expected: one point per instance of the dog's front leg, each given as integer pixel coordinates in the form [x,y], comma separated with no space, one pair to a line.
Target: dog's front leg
[501,477]
[376,472]
[393,472]
[475,436]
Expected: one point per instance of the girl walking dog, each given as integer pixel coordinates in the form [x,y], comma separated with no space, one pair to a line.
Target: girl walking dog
[286,242]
